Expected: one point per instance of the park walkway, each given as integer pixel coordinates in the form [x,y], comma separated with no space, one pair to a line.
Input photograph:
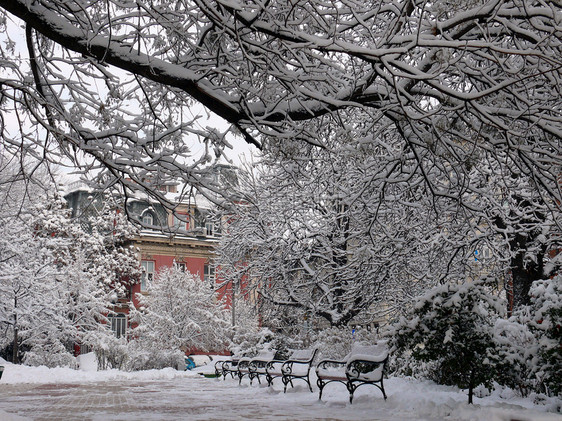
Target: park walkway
[171,399]
[70,395]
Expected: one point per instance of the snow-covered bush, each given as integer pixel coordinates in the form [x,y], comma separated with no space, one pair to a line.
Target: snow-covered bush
[529,343]
[180,312]
[50,354]
[250,338]
[112,352]
[546,306]
[251,342]
[147,355]
[452,327]
[517,354]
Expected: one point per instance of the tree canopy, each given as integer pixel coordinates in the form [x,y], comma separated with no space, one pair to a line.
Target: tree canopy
[116,80]
[459,102]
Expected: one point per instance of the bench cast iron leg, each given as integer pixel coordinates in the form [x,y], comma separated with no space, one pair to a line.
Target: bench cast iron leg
[320,385]
[351,388]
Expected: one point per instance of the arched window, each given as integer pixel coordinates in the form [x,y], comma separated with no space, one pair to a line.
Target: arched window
[118,324]
[147,218]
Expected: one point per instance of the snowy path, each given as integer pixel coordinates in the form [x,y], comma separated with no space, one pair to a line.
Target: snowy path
[62,394]
[176,399]
[181,398]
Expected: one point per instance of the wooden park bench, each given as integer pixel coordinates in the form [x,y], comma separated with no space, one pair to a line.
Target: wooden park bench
[363,365]
[296,367]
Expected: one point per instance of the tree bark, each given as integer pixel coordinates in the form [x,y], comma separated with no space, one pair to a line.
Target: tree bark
[15,348]
[471,386]
[524,273]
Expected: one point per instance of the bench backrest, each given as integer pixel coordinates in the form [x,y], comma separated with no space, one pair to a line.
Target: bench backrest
[303,355]
[380,349]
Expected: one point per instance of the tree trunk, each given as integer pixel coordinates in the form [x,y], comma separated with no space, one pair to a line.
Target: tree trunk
[523,273]
[15,349]
[471,386]
[522,280]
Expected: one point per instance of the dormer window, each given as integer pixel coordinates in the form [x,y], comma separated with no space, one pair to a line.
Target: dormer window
[147,218]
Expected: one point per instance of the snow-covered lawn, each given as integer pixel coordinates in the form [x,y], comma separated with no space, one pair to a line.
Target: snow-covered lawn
[166,394]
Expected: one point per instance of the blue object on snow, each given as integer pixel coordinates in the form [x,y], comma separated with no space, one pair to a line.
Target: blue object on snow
[189,363]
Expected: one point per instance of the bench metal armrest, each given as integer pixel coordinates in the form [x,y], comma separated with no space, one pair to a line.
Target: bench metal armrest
[287,367]
[327,364]
[261,361]
[244,362]
[271,364]
[230,364]
[361,367]
[288,364]
[256,363]
[333,362]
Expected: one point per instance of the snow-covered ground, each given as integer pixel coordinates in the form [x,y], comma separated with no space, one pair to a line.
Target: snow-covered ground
[167,394]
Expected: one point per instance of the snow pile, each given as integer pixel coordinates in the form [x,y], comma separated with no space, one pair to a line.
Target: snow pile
[14,374]
[87,362]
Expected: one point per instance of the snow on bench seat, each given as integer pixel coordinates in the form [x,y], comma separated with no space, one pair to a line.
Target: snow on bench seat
[363,365]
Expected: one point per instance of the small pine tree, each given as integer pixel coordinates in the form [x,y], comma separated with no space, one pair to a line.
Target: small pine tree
[452,328]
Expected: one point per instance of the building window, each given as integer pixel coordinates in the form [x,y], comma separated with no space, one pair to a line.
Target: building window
[181,267]
[209,229]
[147,218]
[147,274]
[209,275]
[181,223]
[118,324]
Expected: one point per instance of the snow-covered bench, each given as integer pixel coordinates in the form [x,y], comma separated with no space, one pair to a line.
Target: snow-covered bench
[254,367]
[296,367]
[363,365]
[227,366]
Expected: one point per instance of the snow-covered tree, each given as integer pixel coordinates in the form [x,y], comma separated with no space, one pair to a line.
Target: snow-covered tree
[179,312]
[27,269]
[529,342]
[451,327]
[118,82]
[26,263]
[58,282]
[338,233]
[95,268]
[469,93]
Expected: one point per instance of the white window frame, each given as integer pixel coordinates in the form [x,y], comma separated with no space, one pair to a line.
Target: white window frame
[209,274]
[147,218]
[147,275]
[118,324]
[209,229]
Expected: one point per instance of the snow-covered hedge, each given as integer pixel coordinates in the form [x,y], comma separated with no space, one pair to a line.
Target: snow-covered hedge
[546,302]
